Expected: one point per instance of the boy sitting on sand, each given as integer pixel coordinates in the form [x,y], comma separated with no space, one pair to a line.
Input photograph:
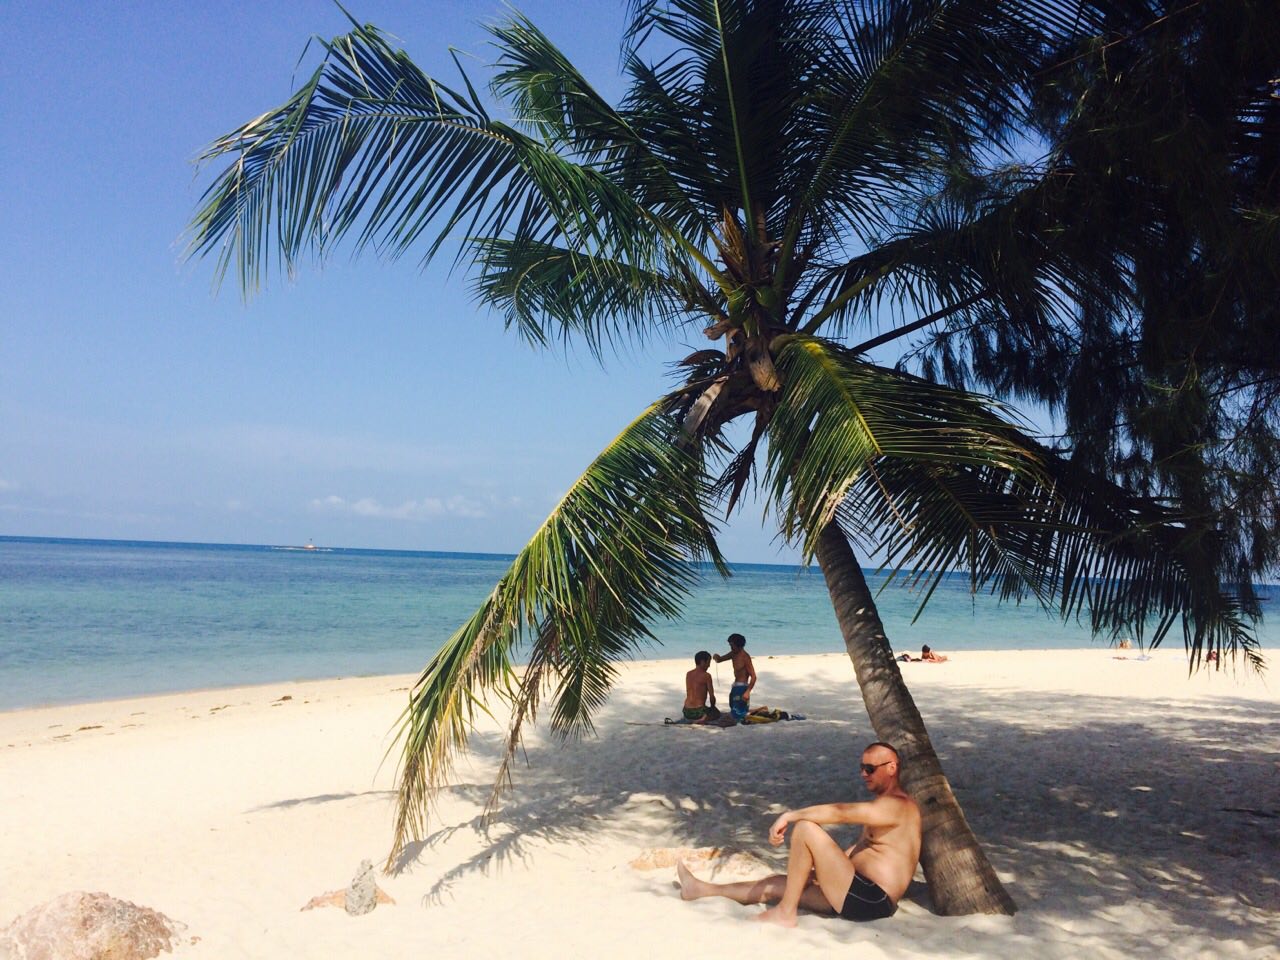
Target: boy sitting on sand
[698,691]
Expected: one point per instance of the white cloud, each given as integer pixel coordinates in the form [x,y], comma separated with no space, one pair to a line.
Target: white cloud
[424,509]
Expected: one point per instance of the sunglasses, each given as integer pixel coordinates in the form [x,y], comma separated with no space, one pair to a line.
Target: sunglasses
[870,768]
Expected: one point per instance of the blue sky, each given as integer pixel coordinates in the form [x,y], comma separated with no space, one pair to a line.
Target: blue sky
[365,404]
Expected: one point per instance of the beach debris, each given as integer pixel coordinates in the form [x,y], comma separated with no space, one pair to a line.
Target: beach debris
[359,898]
[362,895]
[334,898]
[89,926]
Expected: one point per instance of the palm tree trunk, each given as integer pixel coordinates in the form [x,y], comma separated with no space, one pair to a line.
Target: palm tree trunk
[960,879]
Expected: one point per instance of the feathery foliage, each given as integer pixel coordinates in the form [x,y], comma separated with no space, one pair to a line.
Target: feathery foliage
[1162,121]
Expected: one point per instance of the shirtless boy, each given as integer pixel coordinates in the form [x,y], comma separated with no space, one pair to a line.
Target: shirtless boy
[864,882]
[698,689]
[744,676]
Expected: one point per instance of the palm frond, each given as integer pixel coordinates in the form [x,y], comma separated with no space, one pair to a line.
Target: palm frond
[721,101]
[538,286]
[838,415]
[618,552]
[1076,542]
[904,91]
[558,106]
[980,241]
[372,146]
[939,481]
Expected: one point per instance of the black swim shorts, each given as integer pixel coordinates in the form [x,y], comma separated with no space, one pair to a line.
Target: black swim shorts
[866,901]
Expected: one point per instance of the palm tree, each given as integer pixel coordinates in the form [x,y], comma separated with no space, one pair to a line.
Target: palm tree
[780,175]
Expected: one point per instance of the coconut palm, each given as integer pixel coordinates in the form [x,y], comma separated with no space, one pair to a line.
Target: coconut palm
[802,181]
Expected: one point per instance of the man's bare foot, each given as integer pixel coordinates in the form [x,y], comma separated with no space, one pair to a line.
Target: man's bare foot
[691,888]
[776,915]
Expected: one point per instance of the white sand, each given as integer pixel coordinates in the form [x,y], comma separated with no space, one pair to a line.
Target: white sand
[1113,797]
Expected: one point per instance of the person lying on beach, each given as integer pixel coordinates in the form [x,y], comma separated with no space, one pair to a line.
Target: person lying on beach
[698,690]
[928,656]
[744,676]
[864,882]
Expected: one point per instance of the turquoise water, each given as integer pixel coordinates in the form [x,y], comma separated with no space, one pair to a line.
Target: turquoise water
[91,619]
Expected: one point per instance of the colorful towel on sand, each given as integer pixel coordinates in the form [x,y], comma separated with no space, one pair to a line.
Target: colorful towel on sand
[757,715]
[765,715]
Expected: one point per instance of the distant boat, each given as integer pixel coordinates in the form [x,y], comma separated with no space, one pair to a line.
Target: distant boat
[308,547]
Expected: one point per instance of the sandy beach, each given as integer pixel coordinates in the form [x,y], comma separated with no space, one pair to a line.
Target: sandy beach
[1130,810]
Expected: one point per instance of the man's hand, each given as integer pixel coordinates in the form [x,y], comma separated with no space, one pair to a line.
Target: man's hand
[778,832]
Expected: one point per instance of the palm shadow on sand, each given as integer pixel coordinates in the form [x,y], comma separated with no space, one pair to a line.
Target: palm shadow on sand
[1092,801]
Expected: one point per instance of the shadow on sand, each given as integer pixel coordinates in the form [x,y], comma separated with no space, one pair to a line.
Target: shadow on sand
[1094,799]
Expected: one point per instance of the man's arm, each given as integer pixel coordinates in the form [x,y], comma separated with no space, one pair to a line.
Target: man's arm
[883,812]
[711,691]
[722,657]
[751,676]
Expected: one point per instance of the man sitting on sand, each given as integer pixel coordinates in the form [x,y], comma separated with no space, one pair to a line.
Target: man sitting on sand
[928,656]
[698,690]
[863,882]
[744,676]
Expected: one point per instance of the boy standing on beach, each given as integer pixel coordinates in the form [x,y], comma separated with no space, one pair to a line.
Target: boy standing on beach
[744,676]
[698,690]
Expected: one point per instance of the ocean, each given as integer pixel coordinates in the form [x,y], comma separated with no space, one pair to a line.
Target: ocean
[84,620]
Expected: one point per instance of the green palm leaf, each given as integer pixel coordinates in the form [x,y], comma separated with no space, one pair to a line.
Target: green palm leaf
[541,285]
[939,481]
[1072,540]
[838,415]
[615,554]
[557,105]
[372,146]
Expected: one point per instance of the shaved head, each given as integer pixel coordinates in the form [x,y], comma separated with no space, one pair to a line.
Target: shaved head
[880,744]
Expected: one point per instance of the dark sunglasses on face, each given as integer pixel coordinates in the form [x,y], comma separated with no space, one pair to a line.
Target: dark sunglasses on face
[870,768]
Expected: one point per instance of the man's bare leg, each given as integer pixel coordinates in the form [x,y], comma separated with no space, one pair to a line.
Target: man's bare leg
[747,892]
[814,854]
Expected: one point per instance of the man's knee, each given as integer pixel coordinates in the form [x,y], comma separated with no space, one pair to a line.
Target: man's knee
[806,831]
